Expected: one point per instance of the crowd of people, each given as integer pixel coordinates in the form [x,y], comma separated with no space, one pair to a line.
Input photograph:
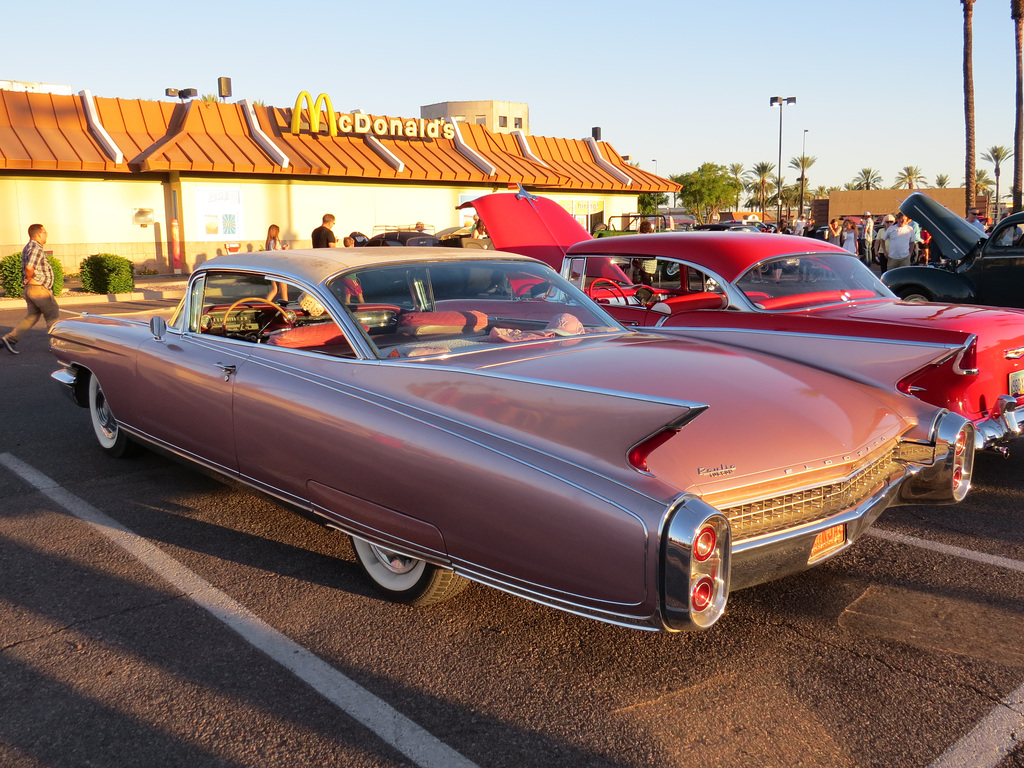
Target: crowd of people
[887,242]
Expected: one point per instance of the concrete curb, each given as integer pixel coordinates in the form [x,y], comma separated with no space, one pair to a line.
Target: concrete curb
[111,298]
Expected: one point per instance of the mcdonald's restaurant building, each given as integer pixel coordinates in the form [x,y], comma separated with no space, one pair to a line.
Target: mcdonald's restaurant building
[168,185]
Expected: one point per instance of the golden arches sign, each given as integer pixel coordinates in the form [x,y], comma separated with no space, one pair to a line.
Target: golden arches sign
[361,124]
[314,113]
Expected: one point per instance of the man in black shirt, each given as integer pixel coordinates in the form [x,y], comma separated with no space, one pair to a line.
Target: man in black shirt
[322,235]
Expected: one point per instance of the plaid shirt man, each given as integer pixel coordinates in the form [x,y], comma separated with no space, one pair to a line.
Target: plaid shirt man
[32,255]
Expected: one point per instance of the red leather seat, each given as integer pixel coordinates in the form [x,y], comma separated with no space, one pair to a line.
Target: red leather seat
[308,336]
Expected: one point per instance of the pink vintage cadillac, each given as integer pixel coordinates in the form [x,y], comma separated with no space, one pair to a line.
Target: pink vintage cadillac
[472,415]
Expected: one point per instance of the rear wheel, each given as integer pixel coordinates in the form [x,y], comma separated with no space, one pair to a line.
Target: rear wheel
[915,296]
[405,579]
[111,437]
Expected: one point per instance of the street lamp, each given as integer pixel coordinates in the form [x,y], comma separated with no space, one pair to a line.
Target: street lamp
[781,102]
[803,171]
[182,93]
[655,167]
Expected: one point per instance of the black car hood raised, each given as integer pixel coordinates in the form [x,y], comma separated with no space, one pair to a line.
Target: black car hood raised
[955,236]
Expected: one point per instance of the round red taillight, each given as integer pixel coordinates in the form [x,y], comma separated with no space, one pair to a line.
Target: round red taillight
[958,476]
[702,593]
[705,544]
[961,442]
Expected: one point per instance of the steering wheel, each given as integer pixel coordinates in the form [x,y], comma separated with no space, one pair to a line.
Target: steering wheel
[289,319]
[644,294]
[612,284]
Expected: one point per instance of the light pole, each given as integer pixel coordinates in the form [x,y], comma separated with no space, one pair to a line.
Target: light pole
[803,171]
[781,101]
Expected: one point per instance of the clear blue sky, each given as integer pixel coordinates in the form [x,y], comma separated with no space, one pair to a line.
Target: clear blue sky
[878,82]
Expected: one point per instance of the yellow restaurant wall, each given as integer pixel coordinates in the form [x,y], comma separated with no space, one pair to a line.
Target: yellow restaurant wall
[94,215]
[82,216]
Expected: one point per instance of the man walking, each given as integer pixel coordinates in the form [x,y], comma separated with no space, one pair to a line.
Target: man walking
[899,240]
[322,236]
[37,278]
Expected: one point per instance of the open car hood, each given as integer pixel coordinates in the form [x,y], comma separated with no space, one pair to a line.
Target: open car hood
[956,238]
[533,226]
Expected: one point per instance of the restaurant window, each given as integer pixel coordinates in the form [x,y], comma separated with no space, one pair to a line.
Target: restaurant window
[503,121]
[481,119]
[518,123]
[460,118]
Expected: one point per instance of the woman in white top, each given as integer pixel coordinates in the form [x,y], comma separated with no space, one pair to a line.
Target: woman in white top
[850,236]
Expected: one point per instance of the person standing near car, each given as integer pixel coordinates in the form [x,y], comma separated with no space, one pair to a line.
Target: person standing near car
[37,279]
[972,219]
[322,236]
[899,241]
[867,237]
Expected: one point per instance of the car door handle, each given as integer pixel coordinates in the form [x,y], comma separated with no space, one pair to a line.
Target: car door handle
[228,370]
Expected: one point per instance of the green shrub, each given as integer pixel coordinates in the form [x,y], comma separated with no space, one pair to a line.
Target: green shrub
[107,273]
[10,276]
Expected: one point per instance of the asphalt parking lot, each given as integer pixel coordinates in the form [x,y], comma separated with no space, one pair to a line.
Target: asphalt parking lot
[152,615]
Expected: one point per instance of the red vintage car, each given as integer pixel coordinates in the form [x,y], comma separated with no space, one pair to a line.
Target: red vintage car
[719,282]
[467,414]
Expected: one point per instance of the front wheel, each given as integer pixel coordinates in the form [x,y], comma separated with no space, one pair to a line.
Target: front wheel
[111,437]
[405,579]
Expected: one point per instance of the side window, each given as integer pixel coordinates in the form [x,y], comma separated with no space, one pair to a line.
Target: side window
[257,309]
[1009,237]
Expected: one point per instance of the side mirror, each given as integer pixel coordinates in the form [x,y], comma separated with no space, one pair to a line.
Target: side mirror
[158,327]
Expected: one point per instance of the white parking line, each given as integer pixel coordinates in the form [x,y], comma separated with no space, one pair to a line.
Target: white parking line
[400,732]
[1002,729]
[946,549]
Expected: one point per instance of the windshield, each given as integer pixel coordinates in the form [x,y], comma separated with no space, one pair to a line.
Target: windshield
[417,309]
[808,280]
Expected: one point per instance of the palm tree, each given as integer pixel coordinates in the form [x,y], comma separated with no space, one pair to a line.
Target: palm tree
[736,171]
[210,98]
[969,101]
[819,192]
[802,163]
[942,180]
[867,179]
[982,181]
[910,176]
[1017,13]
[996,155]
[759,182]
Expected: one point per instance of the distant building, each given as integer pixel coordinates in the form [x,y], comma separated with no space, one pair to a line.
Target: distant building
[496,116]
[855,202]
[24,87]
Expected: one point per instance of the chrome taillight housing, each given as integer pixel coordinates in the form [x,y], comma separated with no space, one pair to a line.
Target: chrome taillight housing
[946,476]
[696,544]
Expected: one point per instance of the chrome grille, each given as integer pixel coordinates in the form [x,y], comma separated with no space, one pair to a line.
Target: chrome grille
[778,513]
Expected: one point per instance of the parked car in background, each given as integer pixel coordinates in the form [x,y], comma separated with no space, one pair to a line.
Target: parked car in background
[401,237]
[716,280]
[976,268]
[474,414]
[730,226]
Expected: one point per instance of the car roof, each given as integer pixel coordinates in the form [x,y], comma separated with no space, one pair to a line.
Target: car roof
[730,254]
[315,265]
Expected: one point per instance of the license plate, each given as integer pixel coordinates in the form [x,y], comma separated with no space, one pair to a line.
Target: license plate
[1016,383]
[827,541]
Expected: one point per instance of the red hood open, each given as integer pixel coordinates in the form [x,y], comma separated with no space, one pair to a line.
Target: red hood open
[530,225]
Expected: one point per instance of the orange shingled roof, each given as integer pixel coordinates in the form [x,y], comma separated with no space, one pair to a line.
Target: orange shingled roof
[207,136]
[45,131]
[40,131]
